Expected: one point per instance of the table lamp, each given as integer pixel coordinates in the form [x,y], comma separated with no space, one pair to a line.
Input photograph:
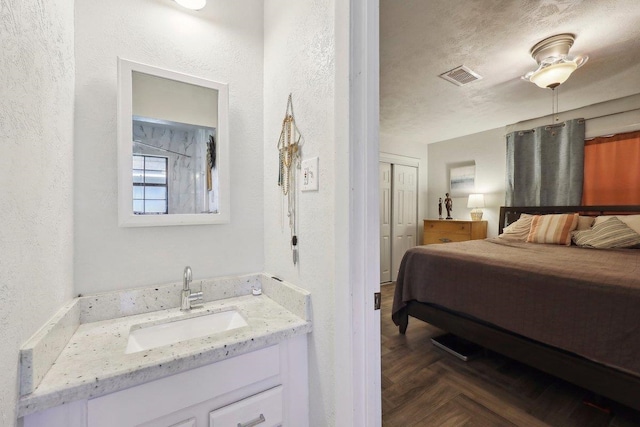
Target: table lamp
[476,201]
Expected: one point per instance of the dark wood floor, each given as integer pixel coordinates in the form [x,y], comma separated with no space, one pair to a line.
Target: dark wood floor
[425,386]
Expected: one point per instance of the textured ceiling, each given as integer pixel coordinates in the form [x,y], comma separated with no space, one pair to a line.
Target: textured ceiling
[421,39]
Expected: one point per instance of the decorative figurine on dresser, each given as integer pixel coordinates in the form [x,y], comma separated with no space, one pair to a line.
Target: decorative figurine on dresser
[448,204]
[452,230]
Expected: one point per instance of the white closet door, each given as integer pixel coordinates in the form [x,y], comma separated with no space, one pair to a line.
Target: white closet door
[385,222]
[404,214]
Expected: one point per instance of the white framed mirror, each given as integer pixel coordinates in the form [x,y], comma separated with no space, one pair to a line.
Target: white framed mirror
[173,145]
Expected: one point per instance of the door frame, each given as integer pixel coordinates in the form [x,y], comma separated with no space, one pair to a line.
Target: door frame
[357,378]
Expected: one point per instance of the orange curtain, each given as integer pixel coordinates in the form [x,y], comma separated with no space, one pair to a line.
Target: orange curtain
[612,170]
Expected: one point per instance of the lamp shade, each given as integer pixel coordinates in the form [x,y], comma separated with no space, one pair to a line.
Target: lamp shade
[192,4]
[476,201]
[553,75]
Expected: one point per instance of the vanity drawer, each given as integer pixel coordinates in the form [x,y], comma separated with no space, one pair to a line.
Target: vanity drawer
[263,410]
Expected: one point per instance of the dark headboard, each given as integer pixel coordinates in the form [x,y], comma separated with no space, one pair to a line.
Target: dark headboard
[510,214]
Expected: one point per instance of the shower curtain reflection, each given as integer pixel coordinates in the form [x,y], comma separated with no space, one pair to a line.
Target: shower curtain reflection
[185,148]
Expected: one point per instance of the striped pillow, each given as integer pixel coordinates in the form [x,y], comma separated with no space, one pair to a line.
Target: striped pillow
[632,221]
[554,228]
[611,233]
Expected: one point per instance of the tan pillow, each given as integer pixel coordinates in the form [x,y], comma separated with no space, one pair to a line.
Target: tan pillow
[555,228]
[519,230]
[632,221]
[585,222]
[612,233]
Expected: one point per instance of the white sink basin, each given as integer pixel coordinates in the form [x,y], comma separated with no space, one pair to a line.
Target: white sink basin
[180,330]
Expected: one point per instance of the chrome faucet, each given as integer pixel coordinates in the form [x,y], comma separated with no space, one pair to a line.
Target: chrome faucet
[189,298]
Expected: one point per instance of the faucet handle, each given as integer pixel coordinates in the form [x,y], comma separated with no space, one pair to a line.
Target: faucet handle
[196,298]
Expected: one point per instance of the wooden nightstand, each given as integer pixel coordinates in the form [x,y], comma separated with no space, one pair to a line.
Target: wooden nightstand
[452,230]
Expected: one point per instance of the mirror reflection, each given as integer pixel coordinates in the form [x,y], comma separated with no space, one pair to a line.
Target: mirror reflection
[174,162]
[173,148]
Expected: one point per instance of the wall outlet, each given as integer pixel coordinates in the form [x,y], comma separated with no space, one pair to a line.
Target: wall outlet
[309,174]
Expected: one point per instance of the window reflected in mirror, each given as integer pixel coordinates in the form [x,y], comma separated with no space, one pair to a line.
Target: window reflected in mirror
[150,189]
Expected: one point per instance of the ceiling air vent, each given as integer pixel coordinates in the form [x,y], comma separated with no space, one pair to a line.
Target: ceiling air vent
[461,76]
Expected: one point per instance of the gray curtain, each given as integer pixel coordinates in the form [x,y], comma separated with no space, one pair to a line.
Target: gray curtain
[545,165]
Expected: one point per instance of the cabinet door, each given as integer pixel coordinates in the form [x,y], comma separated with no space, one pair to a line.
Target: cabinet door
[404,215]
[385,222]
[261,410]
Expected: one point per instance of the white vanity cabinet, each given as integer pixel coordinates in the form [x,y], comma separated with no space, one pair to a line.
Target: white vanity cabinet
[270,383]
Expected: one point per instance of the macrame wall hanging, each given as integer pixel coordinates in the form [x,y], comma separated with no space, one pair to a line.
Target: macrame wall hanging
[289,147]
[211,160]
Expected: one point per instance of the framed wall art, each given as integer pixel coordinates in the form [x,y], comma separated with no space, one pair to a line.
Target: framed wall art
[462,180]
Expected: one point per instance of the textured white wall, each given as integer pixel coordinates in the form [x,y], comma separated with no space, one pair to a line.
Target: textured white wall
[223,42]
[36,176]
[299,52]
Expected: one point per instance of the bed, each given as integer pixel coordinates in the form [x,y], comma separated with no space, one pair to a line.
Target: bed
[568,311]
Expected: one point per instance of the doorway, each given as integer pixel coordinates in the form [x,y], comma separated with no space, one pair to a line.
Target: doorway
[398,178]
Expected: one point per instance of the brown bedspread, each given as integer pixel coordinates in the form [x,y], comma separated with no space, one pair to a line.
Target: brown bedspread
[586,301]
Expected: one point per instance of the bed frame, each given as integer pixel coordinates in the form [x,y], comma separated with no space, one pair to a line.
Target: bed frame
[602,380]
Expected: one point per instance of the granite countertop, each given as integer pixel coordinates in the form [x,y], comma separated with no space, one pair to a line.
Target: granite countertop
[93,362]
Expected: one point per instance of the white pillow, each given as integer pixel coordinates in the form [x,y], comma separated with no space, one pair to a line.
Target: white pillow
[519,230]
[585,222]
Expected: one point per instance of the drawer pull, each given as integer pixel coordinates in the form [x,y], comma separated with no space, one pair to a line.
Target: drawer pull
[253,423]
[445,240]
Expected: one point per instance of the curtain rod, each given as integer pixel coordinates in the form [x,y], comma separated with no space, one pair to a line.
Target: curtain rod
[613,114]
[159,148]
[559,124]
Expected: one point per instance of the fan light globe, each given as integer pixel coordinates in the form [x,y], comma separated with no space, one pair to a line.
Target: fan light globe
[192,4]
[553,75]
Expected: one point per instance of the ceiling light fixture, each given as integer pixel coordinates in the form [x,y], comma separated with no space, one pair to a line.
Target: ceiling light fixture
[554,63]
[192,4]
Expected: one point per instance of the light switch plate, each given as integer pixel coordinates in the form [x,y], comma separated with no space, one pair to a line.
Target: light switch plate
[309,174]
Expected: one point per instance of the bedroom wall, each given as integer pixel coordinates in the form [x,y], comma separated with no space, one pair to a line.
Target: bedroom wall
[223,42]
[488,149]
[36,172]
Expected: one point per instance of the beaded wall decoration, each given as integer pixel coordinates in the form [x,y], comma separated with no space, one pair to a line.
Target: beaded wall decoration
[211,161]
[289,145]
